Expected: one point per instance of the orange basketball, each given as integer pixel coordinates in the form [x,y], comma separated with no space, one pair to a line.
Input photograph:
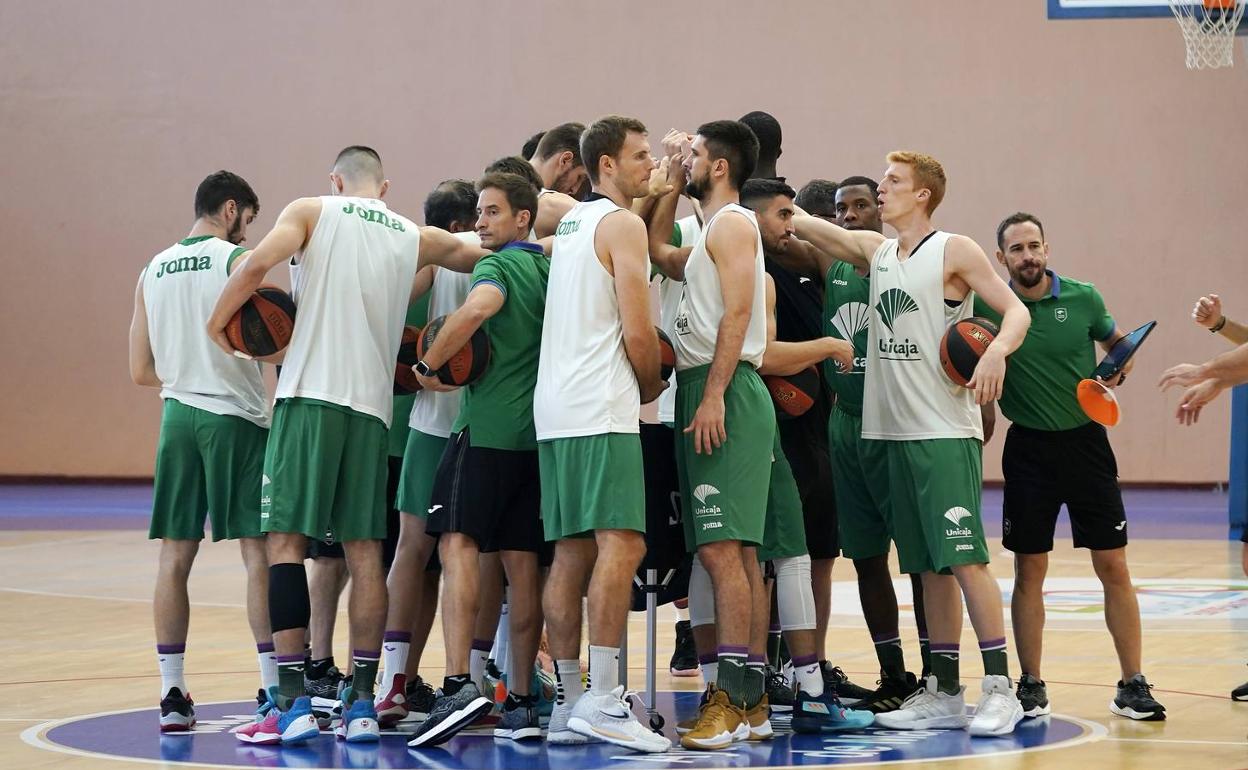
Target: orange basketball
[468,364]
[793,394]
[962,346]
[264,324]
[667,355]
[404,377]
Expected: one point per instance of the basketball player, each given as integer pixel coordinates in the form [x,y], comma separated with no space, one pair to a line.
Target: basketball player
[557,159]
[212,431]
[413,579]
[920,284]
[1207,312]
[1055,455]
[860,468]
[818,198]
[486,494]
[552,205]
[599,362]
[353,266]
[799,309]
[721,336]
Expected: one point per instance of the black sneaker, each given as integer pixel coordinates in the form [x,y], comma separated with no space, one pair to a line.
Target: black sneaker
[519,720]
[1033,696]
[450,714]
[1240,693]
[177,712]
[847,692]
[325,686]
[779,691]
[420,697]
[889,695]
[684,657]
[1135,701]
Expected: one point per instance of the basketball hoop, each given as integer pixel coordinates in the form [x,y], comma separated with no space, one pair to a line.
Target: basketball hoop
[1208,28]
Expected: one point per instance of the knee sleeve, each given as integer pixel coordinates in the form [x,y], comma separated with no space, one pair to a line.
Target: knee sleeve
[794,595]
[701,596]
[288,597]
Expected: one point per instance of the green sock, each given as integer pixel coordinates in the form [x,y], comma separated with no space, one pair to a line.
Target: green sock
[731,678]
[892,659]
[945,668]
[365,674]
[754,685]
[996,662]
[289,681]
[925,652]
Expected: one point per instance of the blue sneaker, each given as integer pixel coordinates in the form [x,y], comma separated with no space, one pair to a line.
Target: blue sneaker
[826,714]
[297,724]
[359,723]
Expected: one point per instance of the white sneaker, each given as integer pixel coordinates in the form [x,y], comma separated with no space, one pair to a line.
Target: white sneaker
[927,709]
[609,718]
[999,710]
[559,734]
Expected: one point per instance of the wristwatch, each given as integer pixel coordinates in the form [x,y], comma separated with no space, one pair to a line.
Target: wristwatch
[423,369]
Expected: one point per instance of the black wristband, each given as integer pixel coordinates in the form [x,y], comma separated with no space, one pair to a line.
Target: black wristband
[1218,326]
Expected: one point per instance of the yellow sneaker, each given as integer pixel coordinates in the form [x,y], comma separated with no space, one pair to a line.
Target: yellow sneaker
[719,725]
[759,720]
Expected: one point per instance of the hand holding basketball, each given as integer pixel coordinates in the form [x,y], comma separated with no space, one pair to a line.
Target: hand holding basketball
[1208,310]
[707,426]
[989,377]
[432,383]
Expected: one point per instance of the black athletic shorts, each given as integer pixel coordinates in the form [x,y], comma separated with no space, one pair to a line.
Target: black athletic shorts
[330,549]
[493,496]
[1045,469]
[805,444]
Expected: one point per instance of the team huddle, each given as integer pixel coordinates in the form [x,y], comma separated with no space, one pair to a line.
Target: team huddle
[524,491]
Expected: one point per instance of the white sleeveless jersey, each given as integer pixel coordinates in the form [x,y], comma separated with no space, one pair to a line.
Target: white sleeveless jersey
[533,232]
[702,304]
[585,383]
[180,289]
[352,284]
[669,304]
[906,395]
[434,413]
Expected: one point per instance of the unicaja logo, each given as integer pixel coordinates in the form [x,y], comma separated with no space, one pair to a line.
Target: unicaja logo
[701,492]
[956,515]
[893,304]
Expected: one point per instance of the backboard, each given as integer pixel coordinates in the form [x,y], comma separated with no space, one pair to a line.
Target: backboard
[1117,9]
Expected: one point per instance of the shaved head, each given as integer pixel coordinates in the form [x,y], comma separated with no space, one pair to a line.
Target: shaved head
[359,164]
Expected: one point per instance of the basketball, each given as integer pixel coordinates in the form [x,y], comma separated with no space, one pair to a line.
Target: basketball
[667,355]
[405,381]
[793,394]
[264,324]
[962,346]
[467,365]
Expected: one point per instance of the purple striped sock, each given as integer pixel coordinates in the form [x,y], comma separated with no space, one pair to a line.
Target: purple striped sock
[756,661]
[946,648]
[805,660]
[886,638]
[733,651]
[708,658]
[482,645]
[989,644]
[296,658]
[397,636]
[171,649]
[366,654]
[774,628]
[264,647]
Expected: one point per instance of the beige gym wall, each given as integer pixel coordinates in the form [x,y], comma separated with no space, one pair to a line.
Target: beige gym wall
[112,112]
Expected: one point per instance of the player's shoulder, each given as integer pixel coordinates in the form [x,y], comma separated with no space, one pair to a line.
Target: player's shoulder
[621,222]
[733,222]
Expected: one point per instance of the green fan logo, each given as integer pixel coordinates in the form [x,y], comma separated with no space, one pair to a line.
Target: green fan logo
[893,304]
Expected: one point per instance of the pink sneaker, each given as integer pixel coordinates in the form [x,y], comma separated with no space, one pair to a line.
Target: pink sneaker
[263,731]
[393,708]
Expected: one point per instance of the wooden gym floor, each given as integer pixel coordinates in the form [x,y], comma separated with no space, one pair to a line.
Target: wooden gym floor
[78,637]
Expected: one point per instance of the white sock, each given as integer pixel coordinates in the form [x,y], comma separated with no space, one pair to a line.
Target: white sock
[501,652]
[568,686]
[171,672]
[394,661]
[604,669]
[682,613]
[476,664]
[809,679]
[710,671]
[268,669]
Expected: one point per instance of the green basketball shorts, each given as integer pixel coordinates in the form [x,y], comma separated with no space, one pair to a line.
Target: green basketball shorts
[860,468]
[590,483]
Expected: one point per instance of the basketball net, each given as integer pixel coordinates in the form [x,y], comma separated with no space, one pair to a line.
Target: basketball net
[1208,28]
